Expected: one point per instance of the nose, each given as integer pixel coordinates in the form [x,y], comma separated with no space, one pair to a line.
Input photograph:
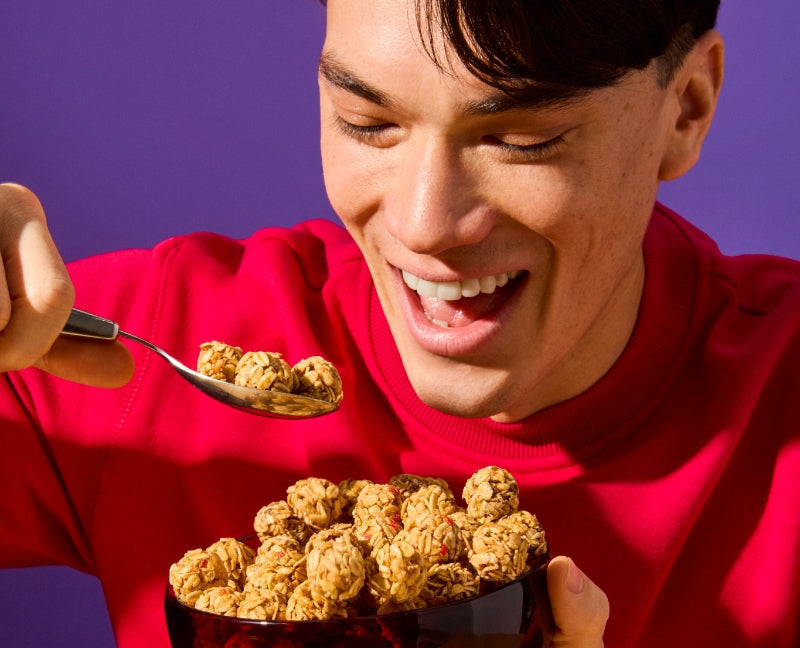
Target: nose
[435,203]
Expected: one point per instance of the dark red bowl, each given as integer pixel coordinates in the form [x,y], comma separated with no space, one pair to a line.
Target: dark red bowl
[503,618]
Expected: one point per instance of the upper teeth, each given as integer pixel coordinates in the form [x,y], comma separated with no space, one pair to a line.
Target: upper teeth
[452,290]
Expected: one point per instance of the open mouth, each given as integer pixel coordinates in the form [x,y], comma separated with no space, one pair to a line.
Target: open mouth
[451,304]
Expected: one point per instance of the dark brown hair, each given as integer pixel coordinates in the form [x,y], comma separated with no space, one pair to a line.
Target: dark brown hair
[563,47]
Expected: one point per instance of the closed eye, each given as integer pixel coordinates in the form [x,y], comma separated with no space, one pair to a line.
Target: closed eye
[372,134]
[535,152]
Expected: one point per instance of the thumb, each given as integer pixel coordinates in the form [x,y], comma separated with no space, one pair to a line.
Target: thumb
[578,609]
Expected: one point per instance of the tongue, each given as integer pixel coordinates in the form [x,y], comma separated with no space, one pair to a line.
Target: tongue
[466,310]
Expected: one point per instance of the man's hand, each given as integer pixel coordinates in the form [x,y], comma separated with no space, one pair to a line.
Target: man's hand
[578,611]
[36,295]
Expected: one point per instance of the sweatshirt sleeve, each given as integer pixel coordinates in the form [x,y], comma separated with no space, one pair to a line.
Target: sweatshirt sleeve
[51,447]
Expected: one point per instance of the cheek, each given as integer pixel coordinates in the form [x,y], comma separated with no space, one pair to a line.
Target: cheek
[349,179]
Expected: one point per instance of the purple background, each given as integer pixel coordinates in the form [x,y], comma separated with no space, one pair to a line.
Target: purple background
[134,121]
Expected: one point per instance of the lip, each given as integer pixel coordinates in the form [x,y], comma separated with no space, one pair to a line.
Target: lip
[453,342]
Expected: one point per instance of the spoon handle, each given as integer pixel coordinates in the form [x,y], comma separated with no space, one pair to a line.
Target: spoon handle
[83,324]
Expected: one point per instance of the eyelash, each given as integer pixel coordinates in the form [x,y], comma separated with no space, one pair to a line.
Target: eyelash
[533,152]
[361,133]
[530,152]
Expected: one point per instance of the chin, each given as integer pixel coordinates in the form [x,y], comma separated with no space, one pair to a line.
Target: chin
[457,403]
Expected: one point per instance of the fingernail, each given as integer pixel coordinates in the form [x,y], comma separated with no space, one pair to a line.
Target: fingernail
[575,581]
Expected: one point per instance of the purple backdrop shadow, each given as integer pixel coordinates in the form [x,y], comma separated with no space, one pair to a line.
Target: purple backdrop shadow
[134,121]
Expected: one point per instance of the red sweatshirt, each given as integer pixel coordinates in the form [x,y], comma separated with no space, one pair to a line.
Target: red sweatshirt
[674,482]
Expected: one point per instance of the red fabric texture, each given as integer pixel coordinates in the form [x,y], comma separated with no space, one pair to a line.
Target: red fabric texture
[673,482]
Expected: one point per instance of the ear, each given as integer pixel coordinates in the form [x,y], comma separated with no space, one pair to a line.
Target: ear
[695,91]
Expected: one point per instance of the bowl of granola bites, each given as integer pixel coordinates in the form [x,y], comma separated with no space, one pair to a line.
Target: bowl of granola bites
[373,565]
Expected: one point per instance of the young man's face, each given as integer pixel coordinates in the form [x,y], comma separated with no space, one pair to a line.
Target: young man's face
[540,209]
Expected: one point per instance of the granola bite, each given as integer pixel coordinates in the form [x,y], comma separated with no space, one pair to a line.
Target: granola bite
[376,515]
[280,565]
[265,370]
[439,541]
[498,553]
[396,572]
[262,605]
[220,600]
[236,556]
[194,572]
[451,581]
[267,579]
[278,518]
[491,493]
[377,501]
[527,525]
[301,606]
[218,360]
[316,501]
[335,568]
[318,378]
[429,501]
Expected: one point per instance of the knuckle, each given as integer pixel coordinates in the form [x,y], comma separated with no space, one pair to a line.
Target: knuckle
[16,197]
[54,298]
[18,204]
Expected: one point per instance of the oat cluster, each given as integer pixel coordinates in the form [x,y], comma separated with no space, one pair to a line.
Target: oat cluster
[314,377]
[359,548]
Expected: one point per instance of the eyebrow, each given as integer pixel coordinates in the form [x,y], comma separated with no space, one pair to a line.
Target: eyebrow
[529,97]
[340,76]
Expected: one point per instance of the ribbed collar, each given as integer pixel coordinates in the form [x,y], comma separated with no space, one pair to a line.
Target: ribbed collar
[575,429]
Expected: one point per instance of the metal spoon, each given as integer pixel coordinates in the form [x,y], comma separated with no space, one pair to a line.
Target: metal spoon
[255,401]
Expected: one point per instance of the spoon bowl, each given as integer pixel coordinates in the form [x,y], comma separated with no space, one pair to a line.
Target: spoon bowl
[272,404]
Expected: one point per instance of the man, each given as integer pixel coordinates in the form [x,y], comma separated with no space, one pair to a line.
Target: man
[525,305]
